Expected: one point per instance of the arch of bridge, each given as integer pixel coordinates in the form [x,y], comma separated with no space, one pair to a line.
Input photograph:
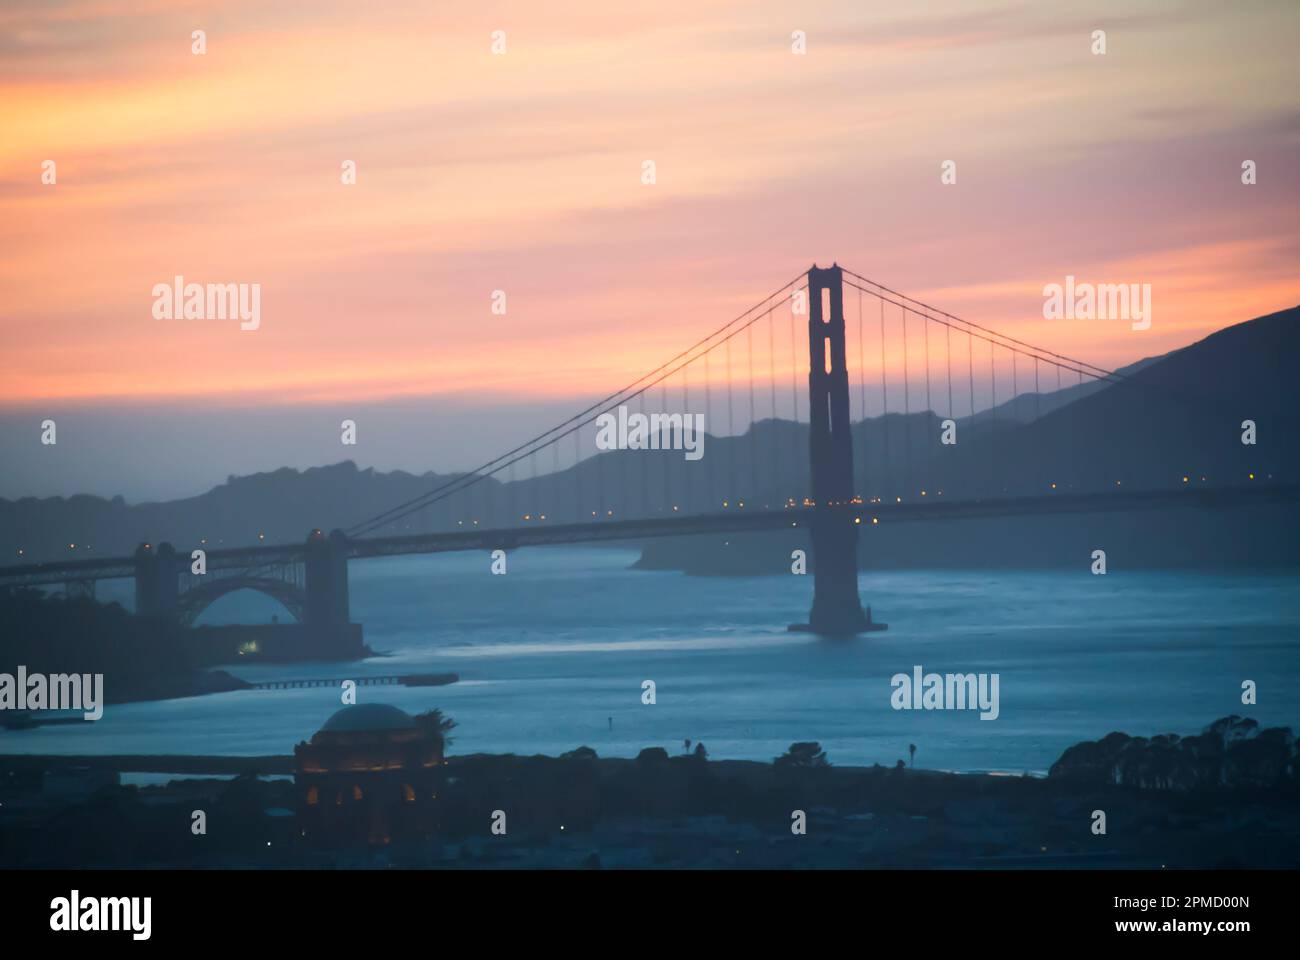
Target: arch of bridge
[197,599]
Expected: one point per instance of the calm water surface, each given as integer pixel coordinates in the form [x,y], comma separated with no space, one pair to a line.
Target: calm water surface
[553,654]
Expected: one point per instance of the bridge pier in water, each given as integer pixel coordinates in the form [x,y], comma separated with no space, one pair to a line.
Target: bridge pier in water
[327,619]
[325,630]
[836,608]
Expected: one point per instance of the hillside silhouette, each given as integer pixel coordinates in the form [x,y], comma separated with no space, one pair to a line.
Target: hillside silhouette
[1167,418]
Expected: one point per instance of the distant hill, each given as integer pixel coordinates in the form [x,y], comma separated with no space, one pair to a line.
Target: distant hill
[283,506]
[1179,416]
[1172,416]
[1026,407]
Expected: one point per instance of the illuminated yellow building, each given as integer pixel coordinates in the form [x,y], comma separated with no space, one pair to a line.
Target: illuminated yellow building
[370,775]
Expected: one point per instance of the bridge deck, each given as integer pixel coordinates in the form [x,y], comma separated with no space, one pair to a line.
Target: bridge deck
[728,521]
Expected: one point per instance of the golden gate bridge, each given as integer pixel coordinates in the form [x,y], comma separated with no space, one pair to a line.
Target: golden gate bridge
[843,452]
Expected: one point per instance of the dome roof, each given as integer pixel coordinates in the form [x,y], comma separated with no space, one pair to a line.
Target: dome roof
[368,716]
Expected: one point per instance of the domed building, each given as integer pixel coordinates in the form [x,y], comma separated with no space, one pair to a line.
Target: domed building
[371,774]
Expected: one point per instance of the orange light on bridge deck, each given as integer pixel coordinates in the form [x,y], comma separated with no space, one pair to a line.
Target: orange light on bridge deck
[857,519]
[674,508]
[1053,486]
[1251,476]
[923,493]
[875,520]
[1184,479]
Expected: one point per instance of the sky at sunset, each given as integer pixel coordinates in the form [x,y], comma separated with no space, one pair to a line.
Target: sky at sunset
[522,171]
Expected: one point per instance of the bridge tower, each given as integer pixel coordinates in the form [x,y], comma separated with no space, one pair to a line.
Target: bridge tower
[326,613]
[836,608]
[156,590]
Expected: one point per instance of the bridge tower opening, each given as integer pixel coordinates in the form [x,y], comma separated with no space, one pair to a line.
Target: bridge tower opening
[836,608]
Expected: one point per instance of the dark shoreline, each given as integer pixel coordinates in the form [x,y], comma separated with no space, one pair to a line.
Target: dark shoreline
[1228,797]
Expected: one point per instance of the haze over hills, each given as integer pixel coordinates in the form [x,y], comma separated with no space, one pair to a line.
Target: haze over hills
[1173,416]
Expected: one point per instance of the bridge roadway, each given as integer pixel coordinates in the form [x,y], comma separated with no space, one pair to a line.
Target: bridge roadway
[738,520]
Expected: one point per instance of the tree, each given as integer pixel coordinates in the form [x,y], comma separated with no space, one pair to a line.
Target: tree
[700,752]
[435,721]
[911,749]
[652,755]
[582,753]
[803,755]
